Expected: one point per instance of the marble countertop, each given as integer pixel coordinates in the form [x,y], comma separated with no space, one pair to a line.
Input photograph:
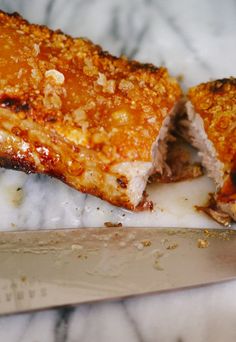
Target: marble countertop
[194,39]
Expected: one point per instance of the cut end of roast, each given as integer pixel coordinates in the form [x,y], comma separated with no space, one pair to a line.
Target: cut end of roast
[191,126]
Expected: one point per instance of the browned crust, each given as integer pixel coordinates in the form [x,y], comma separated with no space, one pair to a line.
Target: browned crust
[221,86]
[11,162]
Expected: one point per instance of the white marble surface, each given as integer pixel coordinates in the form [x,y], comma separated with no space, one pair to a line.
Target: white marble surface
[191,37]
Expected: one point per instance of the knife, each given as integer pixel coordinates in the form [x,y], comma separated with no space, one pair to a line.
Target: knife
[50,268]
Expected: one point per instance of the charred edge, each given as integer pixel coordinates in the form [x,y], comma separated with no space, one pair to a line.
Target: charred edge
[56,174]
[14,103]
[105,54]
[13,14]
[136,66]
[27,167]
[132,64]
[233,177]
[25,22]
[120,201]
[122,181]
[59,32]
[17,164]
[218,85]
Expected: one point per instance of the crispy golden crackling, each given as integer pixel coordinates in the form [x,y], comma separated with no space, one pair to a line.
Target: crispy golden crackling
[72,111]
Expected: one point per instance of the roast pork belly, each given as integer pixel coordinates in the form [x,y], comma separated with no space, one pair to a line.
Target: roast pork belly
[72,111]
[211,128]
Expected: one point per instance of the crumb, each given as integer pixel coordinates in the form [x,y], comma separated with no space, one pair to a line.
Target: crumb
[172,246]
[221,235]
[202,243]
[23,278]
[146,243]
[168,245]
[83,257]
[112,224]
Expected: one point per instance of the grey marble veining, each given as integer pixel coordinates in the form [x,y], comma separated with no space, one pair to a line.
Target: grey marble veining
[193,38]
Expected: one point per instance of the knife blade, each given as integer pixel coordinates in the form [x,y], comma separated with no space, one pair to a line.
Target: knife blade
[50,268]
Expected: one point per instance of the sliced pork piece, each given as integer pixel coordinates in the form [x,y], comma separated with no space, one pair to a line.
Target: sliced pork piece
[211,128]
[72,111]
